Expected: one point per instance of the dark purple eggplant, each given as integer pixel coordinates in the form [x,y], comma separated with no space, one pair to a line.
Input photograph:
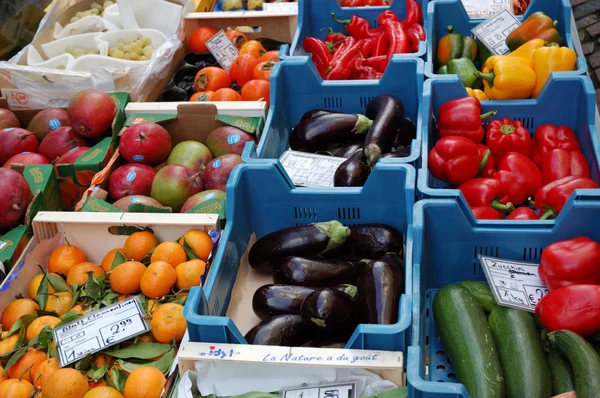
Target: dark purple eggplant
[184,78]
[282,330]
[354,172]
[320,132]
[305,240]
[272,300]
[387,113]
[380,286]
[369,241]
[200,60]
[325,343]
[174,94]
[331,311]
[271,44]
[407,133]
[401,152]
[395,259]
[315,272]
[348,150]
[314,113]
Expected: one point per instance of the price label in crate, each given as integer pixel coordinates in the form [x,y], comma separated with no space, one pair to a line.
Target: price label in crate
[309,169]
[338,390]
[223,49]
[493,31]
[515,284]
[485,8]
[283,8]
[100,329]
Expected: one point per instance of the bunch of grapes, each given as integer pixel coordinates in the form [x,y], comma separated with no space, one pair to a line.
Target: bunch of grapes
[78,52]
[138,49]
[95,9]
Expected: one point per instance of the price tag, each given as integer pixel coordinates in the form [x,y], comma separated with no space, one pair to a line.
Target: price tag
[493,31]
[485,8]
[284,8]
[309,169]
[339,390]
[100,329]
[223,49]
[514,283]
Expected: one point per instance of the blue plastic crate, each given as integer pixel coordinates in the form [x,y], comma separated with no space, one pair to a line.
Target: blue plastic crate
[314,15]
[439,258]
[442,13]
[565,100]
[260,200]
[296,88]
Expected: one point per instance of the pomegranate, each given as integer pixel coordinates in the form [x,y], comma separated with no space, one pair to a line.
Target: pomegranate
[59,142]
[145,143]
[91,113]
[14,141]
[131,179]
[13,201]
[26,158]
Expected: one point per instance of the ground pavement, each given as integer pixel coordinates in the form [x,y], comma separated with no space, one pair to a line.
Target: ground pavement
[587,18]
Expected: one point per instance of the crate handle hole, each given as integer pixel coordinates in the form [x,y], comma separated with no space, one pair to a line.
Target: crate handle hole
[441,353]
[451,376]
[441,368]
[124,230]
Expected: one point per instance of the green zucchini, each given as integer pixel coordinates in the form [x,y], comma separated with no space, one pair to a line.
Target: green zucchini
[584,361]
[522,355]
[468,341]
[561,373]
[482,293]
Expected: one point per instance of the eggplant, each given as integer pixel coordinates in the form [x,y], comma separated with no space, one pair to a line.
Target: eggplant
[320,132]
[354,172]
[380,285]
[395,259]
[407,133]
[369,241]
[315,272]
[200,60]
[401,152]
[305,240]
[174,94]
[184,78]
[387,113]
[314,113]
[273,300]
[282,330]
[331,311]
[348,150]
[326,343]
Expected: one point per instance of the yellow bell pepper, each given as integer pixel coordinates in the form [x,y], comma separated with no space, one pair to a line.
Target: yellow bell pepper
[507,77]
[527,49]
[480,95]
[548,59]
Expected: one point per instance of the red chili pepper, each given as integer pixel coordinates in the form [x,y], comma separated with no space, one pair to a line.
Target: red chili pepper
[347,45]
[523,213]
[379,63]
[571,261]
[454,159]
[321,55]
[358,27]
[375,3]
[485,213]
[486,162]
[505,136]
[413,14]
[575,308]
[487,192]
[342,68]
[416,34]
[551,198]
[527,173]
[462,117]
[396,36]
[333,37]
[382,46]
[387,16]
[549,137]
[364,71]
[560,163]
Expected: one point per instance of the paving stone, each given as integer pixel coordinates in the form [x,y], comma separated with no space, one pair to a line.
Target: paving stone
[594,30]
[597,72]
[595,60]
[586,8]
[577,2]
[581,35]
[587,48]
[587,21]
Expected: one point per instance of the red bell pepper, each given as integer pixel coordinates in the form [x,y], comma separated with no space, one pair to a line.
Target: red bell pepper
[382,46]
[363,70]
[549,137]
[416,34]
[462,117]
[485,213]
[560,163]
[551,198]
[487,192]
[387,16]
[414,14]
[573,261]
[523,213]
[454,159]
[516,191]
[575,308]
[524,169]
[505,136]
[486,162]
[358,27]
[396,36]
[379,63]
[321,55]
[334,37]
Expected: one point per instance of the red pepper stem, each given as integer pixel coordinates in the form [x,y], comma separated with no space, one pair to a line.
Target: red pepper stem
[489,77]
[507,129]
[488,114]
[496,205]
[549,213]
[485,159]
[341,21]
[332,47]
[530,202]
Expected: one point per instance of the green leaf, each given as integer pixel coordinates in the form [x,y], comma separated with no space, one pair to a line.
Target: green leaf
[163,364]
[69,317]
[189,251]
[45,313]
[42,293]
[97,374]
[92,288]
[140,351]
[23,321]
[43,340]
[143,301]
[119,378]
[14,358]
[118,260]
[58,283]
[84,363]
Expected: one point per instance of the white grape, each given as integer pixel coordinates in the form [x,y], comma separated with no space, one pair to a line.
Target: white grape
[87,13]
[79,14]
[118,54]
[134,56]
[143,58]
[74,19]
[135,48]
[95,11]
[147,41]
[69,50]
[96,5]
[148,51]
[128,41]
[108,3]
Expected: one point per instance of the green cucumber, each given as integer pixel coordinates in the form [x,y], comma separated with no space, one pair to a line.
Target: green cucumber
[584,361]
[482,293]
[522,355]
[468,341]
[561,373]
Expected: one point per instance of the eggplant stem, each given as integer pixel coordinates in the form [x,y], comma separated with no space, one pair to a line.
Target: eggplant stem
[336,232]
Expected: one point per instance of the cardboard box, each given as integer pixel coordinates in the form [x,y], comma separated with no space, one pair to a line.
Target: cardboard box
[44,188]
[205,5]
[188,121]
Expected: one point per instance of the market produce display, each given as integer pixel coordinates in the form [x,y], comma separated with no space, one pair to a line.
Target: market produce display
[159,274]
[365,52]
[512,168]
[95,9]
[324,284]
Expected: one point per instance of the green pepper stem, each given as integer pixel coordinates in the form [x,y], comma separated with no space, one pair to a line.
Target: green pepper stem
[507,129]
[549,213]
[484,160]
[450,28]
[548,44]
[496,205]
[341,21]
[329,29]
[530,202]
[488,114]
[489,77]
[555,24]
[327,71]
[331,47]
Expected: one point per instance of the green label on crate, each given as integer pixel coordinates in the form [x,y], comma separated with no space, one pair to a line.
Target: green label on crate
[96,205]
[142,208]
[212,206]
[252,125]
[135,118]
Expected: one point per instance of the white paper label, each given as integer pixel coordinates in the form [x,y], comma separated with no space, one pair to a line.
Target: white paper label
[100,329]
[223,49]
[283,8]
[339,390]
[493,31]
[309,169]
[485,8]
[514,283]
